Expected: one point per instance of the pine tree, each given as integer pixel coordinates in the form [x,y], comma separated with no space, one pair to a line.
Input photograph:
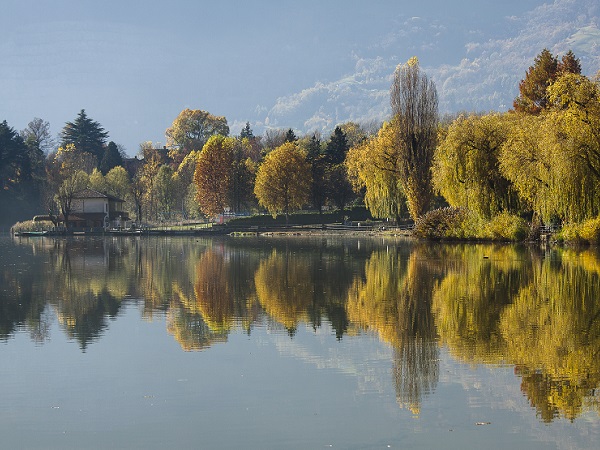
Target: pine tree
[569,64]
[111,158]
[337,147]
[247,132]
[533,97]
[290,136]
[86,134]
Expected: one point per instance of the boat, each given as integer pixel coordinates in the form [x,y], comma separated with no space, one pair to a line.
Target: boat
[31,233]
[118,232]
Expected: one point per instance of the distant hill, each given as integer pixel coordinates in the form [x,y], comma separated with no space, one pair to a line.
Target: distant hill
[483,77]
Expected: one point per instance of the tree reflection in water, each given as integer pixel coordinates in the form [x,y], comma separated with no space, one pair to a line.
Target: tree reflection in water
[486,304]
[394,300]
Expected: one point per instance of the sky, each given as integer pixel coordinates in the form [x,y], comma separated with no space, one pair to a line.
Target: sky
[308,65]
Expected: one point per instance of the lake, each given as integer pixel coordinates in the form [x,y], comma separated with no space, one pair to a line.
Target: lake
[298,343]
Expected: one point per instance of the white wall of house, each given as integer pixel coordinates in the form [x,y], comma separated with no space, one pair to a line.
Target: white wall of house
[90,205]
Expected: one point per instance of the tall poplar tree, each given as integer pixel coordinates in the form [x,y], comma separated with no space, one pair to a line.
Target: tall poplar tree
[414,103]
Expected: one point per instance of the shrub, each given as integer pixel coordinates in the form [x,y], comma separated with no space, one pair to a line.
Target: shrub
[587,232]
[461,223]
[453,223]
[590,231]
[569,233]
[30,225]
[507,227]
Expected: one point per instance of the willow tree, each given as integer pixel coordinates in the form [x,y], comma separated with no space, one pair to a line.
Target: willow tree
[526,161]
[553,159]
[213,174]
[538,159]
[466,167]
[414,103]
[283,180]
[577,99]
[373,167]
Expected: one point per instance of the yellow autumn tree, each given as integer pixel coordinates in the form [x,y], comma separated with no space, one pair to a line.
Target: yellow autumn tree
[283,180]
[191,130]
[213,174]
[465,167]
[414,101]
[373,166]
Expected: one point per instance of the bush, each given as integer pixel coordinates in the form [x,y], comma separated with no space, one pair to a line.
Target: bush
[587,232]
[447,223]
[590,231]
[507,227]
[30,225]
[461,223]
[569,234]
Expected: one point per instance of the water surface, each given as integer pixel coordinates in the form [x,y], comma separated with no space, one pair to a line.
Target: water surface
[277,342]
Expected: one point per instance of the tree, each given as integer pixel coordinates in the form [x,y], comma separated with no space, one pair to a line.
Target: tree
[97,181]
[38,135]
[283,180]
[316,159]
[184,180]
[118,183]
[191,129]
[145,183]
[337,147]
[246,132]
[21,168]
[553,159]
[85,134]
[39,141]
[373,167]
[112,157]
[71,159]
[569,63]
[524,162]
[213,175]
[15,164]
[338,188]
[533,98]
[290,136]
[243,173]
[415,107]
[274,138]
[577,101]
[354,133]
[72,184]
[137,195]
[466,165]
[165,189]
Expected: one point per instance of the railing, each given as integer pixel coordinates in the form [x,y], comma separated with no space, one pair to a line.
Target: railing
[548,229]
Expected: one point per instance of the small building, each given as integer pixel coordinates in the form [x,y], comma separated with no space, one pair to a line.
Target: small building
[93,209]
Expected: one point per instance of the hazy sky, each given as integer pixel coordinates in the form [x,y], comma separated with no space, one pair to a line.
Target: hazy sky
[134,65]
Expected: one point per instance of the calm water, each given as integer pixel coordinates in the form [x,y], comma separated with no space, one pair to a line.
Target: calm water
[297,343]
